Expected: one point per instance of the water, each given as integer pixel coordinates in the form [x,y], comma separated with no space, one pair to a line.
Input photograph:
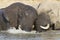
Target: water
[48,35]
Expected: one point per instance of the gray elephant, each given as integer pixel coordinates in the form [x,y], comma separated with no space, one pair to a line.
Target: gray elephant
[21,14]
[43,22]
[4,21]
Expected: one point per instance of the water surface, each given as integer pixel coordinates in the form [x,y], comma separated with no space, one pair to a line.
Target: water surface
[49,35]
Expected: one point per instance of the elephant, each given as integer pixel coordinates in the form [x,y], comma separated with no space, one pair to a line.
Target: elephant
[4,21]
[21,14]
[43,22]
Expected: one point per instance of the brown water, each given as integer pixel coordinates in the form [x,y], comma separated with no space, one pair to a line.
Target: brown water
[49,35]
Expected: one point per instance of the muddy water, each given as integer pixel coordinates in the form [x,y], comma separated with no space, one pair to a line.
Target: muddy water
[49,35]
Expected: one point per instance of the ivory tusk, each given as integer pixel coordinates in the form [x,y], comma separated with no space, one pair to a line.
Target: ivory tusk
[45,27]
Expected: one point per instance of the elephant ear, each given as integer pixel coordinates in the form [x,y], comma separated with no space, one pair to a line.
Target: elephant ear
[5,17]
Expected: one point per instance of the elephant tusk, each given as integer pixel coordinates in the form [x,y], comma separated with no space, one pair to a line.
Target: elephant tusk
[45,27]
[19,25]
[33,26]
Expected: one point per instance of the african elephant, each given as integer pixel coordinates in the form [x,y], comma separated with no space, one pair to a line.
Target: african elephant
[43,22]
[21,14]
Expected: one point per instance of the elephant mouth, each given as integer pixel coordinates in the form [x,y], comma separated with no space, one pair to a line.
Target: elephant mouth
[45,27]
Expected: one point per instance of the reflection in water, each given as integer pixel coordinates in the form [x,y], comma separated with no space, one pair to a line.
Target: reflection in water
[49,35]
